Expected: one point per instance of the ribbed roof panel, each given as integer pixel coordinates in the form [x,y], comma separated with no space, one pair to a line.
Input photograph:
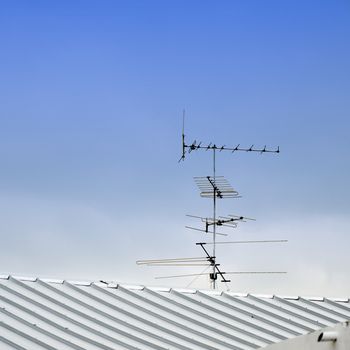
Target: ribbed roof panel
[65,315]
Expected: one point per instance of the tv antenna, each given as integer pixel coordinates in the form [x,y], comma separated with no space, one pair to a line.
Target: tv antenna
[214,187]
[217,187]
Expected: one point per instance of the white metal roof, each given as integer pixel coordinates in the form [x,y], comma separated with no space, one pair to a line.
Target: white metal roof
[330,338]
[48,314]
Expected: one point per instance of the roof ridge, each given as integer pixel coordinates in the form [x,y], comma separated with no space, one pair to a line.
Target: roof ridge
[112,284]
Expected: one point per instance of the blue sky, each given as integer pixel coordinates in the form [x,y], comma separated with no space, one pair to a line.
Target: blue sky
[91,101]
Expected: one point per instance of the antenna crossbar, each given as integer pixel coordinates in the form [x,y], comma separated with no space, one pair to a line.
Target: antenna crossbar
[194,146]
[225,273]
[178,264]
[254,272]
[247,242]
[196,261]
[184,275]
[188,148]
[173,260]
[205,231]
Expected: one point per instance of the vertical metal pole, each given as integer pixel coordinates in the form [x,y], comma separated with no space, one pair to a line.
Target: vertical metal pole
[214,217]
[183,135]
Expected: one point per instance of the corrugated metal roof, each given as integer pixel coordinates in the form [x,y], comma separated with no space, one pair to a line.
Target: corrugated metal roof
[49,314]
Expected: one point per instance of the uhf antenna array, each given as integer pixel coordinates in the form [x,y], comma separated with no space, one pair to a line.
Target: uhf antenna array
[214,187]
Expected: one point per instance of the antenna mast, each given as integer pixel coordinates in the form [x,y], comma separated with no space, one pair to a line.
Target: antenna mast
[213,279]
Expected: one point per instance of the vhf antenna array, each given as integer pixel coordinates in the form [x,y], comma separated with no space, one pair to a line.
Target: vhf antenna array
[188,148]
[215,187]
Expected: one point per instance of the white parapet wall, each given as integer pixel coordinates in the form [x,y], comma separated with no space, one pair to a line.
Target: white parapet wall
[330,338]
